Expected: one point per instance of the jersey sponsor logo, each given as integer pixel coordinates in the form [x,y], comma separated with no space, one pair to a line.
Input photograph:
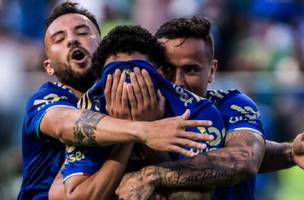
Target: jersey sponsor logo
[247,114]
[69,149]
[185,97]
[50,98]
[73,156]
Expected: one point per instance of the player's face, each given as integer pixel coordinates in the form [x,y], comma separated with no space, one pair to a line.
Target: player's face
[193,68]
[70,42]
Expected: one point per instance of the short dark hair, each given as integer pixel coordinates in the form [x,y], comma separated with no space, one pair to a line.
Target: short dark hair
[67,8]
[130,39]
[194,27]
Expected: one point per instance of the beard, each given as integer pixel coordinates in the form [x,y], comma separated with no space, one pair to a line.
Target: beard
[80,81]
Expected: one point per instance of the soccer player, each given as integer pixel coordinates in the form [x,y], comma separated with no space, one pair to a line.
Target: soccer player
[189,47]
[93,172]
[51,119]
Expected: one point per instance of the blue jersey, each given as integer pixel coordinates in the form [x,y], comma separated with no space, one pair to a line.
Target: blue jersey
[240,113]
[84,160]
[42,155]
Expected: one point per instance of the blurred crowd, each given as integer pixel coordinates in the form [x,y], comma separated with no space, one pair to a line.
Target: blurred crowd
[259,45]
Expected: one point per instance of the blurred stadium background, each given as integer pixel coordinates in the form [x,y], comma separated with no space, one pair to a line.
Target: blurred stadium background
[259,45]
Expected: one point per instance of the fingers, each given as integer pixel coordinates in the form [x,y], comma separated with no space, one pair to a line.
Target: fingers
[195,123]
[142,86]
[120,89]
[180,150]
[196,136]
[190,143]
[131,96]
[107,90]
[116,80]
[137,92]
[124,97]
[150,86]
[161,102]
[186,114]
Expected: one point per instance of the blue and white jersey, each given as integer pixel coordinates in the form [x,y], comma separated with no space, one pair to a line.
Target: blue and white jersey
[87,161]
[42,155]
[238,110]
[240,113]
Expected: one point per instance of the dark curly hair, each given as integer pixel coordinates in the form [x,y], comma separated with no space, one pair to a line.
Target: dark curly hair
[129,39]
[67,8]
[194,27]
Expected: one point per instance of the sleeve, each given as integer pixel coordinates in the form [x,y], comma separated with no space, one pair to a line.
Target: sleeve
[39,104]
[241,113]
[83,160]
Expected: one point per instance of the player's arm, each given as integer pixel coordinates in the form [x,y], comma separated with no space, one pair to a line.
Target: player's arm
[238,161]
[84,127]
[277,156]
[283,155]
[56,191]
[102,184]
[98,185]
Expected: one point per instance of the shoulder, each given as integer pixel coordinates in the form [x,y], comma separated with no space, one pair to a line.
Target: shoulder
[219,97]
[240,111]
[50,93]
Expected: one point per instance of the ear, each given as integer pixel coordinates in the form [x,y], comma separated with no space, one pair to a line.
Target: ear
[212,71]
[47,66]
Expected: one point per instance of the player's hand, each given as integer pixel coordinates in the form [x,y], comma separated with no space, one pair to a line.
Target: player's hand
[117,96]
[134,186]
[169,134]
[145,104]
[298,150]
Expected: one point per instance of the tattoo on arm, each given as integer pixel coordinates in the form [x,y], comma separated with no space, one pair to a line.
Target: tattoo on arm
[85,126]
[230,165]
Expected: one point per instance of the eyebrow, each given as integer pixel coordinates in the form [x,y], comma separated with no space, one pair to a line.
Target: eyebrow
[81,26]
[76,28]
[191,65]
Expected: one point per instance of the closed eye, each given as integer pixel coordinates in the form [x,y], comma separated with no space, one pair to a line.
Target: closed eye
[192,69]
[58,37]
[82,30]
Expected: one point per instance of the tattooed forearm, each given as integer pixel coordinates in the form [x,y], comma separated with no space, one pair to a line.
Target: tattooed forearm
[277,156]
[85,126]
[189,173]
[227,166]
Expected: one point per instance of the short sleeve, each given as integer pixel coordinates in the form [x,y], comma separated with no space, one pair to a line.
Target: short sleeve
[39,104]
[240,113]
[83,160]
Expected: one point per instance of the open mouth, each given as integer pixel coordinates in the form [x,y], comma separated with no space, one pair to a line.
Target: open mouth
[78,55]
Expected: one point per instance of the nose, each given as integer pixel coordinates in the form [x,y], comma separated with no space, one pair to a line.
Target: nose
[73,40]
[73,43]
[179,78]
